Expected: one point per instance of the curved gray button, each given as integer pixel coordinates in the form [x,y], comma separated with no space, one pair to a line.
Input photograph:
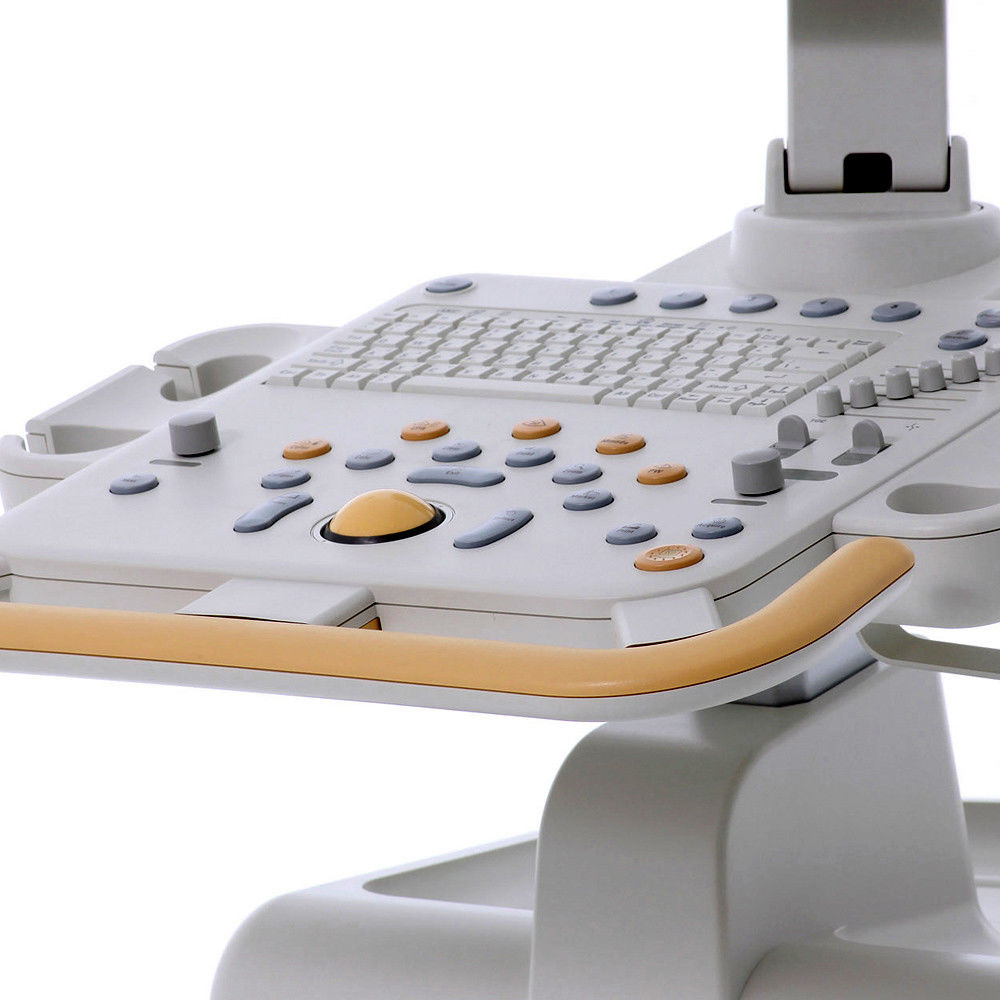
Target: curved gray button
[271,512]
[456,451]
[961,340]
[895,312]
[529,456]
[582,472]
[370,458]
[616,296]
[822,308]
[283,479]
[588,500]
[134,482]
[498,526]
[756,303]
[456,475]
[717,527]
[442,286]
[631,534]
[989,318]
[687,299]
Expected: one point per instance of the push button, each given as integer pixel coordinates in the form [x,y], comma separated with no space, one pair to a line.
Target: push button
[631,534]
[616,296]
[620,444]
[456,451]
[895,312]
[306,448]
[687,299]
[381,516]
[667,557]
[754,303]
[573,475]
[660,475]
[445,286]
[588,500]
[134,482]
[271,512]
[283,479]
[989,318]
[823,308]
[498,526]
[456,475]
[536,427]
[529,456]
[961,340]
[424,430]
[717,527]
[370,458]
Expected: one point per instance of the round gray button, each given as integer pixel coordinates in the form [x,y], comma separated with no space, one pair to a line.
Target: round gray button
[717,527]
[631,534]
[961,340]
[756,473]
[964,369]
[370,458]
[573,475]
[931,376]
[282,479]
[134,482]
[862,390]
[456,451]
[616,296]
[588,500]
[687,299]
[895,312]
[829,401]
[530,455]
[989,318]
[755,303]
[898,384]
[443,286]
[822,308]
[194,433]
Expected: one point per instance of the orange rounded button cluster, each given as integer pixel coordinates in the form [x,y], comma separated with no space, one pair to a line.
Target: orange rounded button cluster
[620,444]
[536,427]
[306,448]
[664,557]
[424,430]
[659,475]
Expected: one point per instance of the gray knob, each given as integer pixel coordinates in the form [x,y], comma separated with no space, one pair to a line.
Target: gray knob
[758,472]
[898,384]
[862,390]
[793,433]
[829,401]
[963,368]
[194,433]
[931,377]
[992,364]
[867,438]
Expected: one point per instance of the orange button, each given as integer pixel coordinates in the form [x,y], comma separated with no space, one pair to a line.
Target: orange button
[424,430]
[620,444]
[669,557]
[537,427]
[306,448]
[658,475]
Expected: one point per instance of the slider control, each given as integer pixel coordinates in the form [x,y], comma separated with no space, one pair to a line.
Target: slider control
[862,390]
[931,376]
[867,441]
[898,384]
[829,402]
[793,435]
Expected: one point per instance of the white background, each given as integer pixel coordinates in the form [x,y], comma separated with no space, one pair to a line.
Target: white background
[169,168]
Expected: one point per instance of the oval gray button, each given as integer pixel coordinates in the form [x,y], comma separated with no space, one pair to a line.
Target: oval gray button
[895,312]
[456,451]
[961,340]
[717,527]
[631,534]
[271,512]
[821,308]
[755,303]
[498,526]
[283,479]
[582,472]
[370,458]
[588,500]
[456,475]
[989,318]
[134,482]
[616,296]
[687,299]
[530,455]
[443,286]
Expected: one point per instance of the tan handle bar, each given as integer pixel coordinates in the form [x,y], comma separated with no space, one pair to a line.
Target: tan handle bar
[810,609]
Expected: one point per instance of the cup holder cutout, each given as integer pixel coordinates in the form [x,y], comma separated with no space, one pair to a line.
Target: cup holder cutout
[219,373]
[941,498]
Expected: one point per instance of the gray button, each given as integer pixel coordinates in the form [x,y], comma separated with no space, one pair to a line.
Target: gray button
[793,434]
[867,438]
[717,527]
[829,401]
[757,473]
[456,451]
[271,512]
[498,526]
[283,479]
[194,433]
[895,312]
[687,299]
[442,286]
[961,340]
[631,534]
[134,482]
[862,391]
[588,499]
[457,475]
[756,303]
[931,376]
[370,458]
[530,455]
[989,318]
[964,369]
[616,296]
[822,308]
[898,384]
[992,360]
[582,472]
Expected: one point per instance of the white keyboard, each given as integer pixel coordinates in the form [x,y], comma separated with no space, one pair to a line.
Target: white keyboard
[734,367]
